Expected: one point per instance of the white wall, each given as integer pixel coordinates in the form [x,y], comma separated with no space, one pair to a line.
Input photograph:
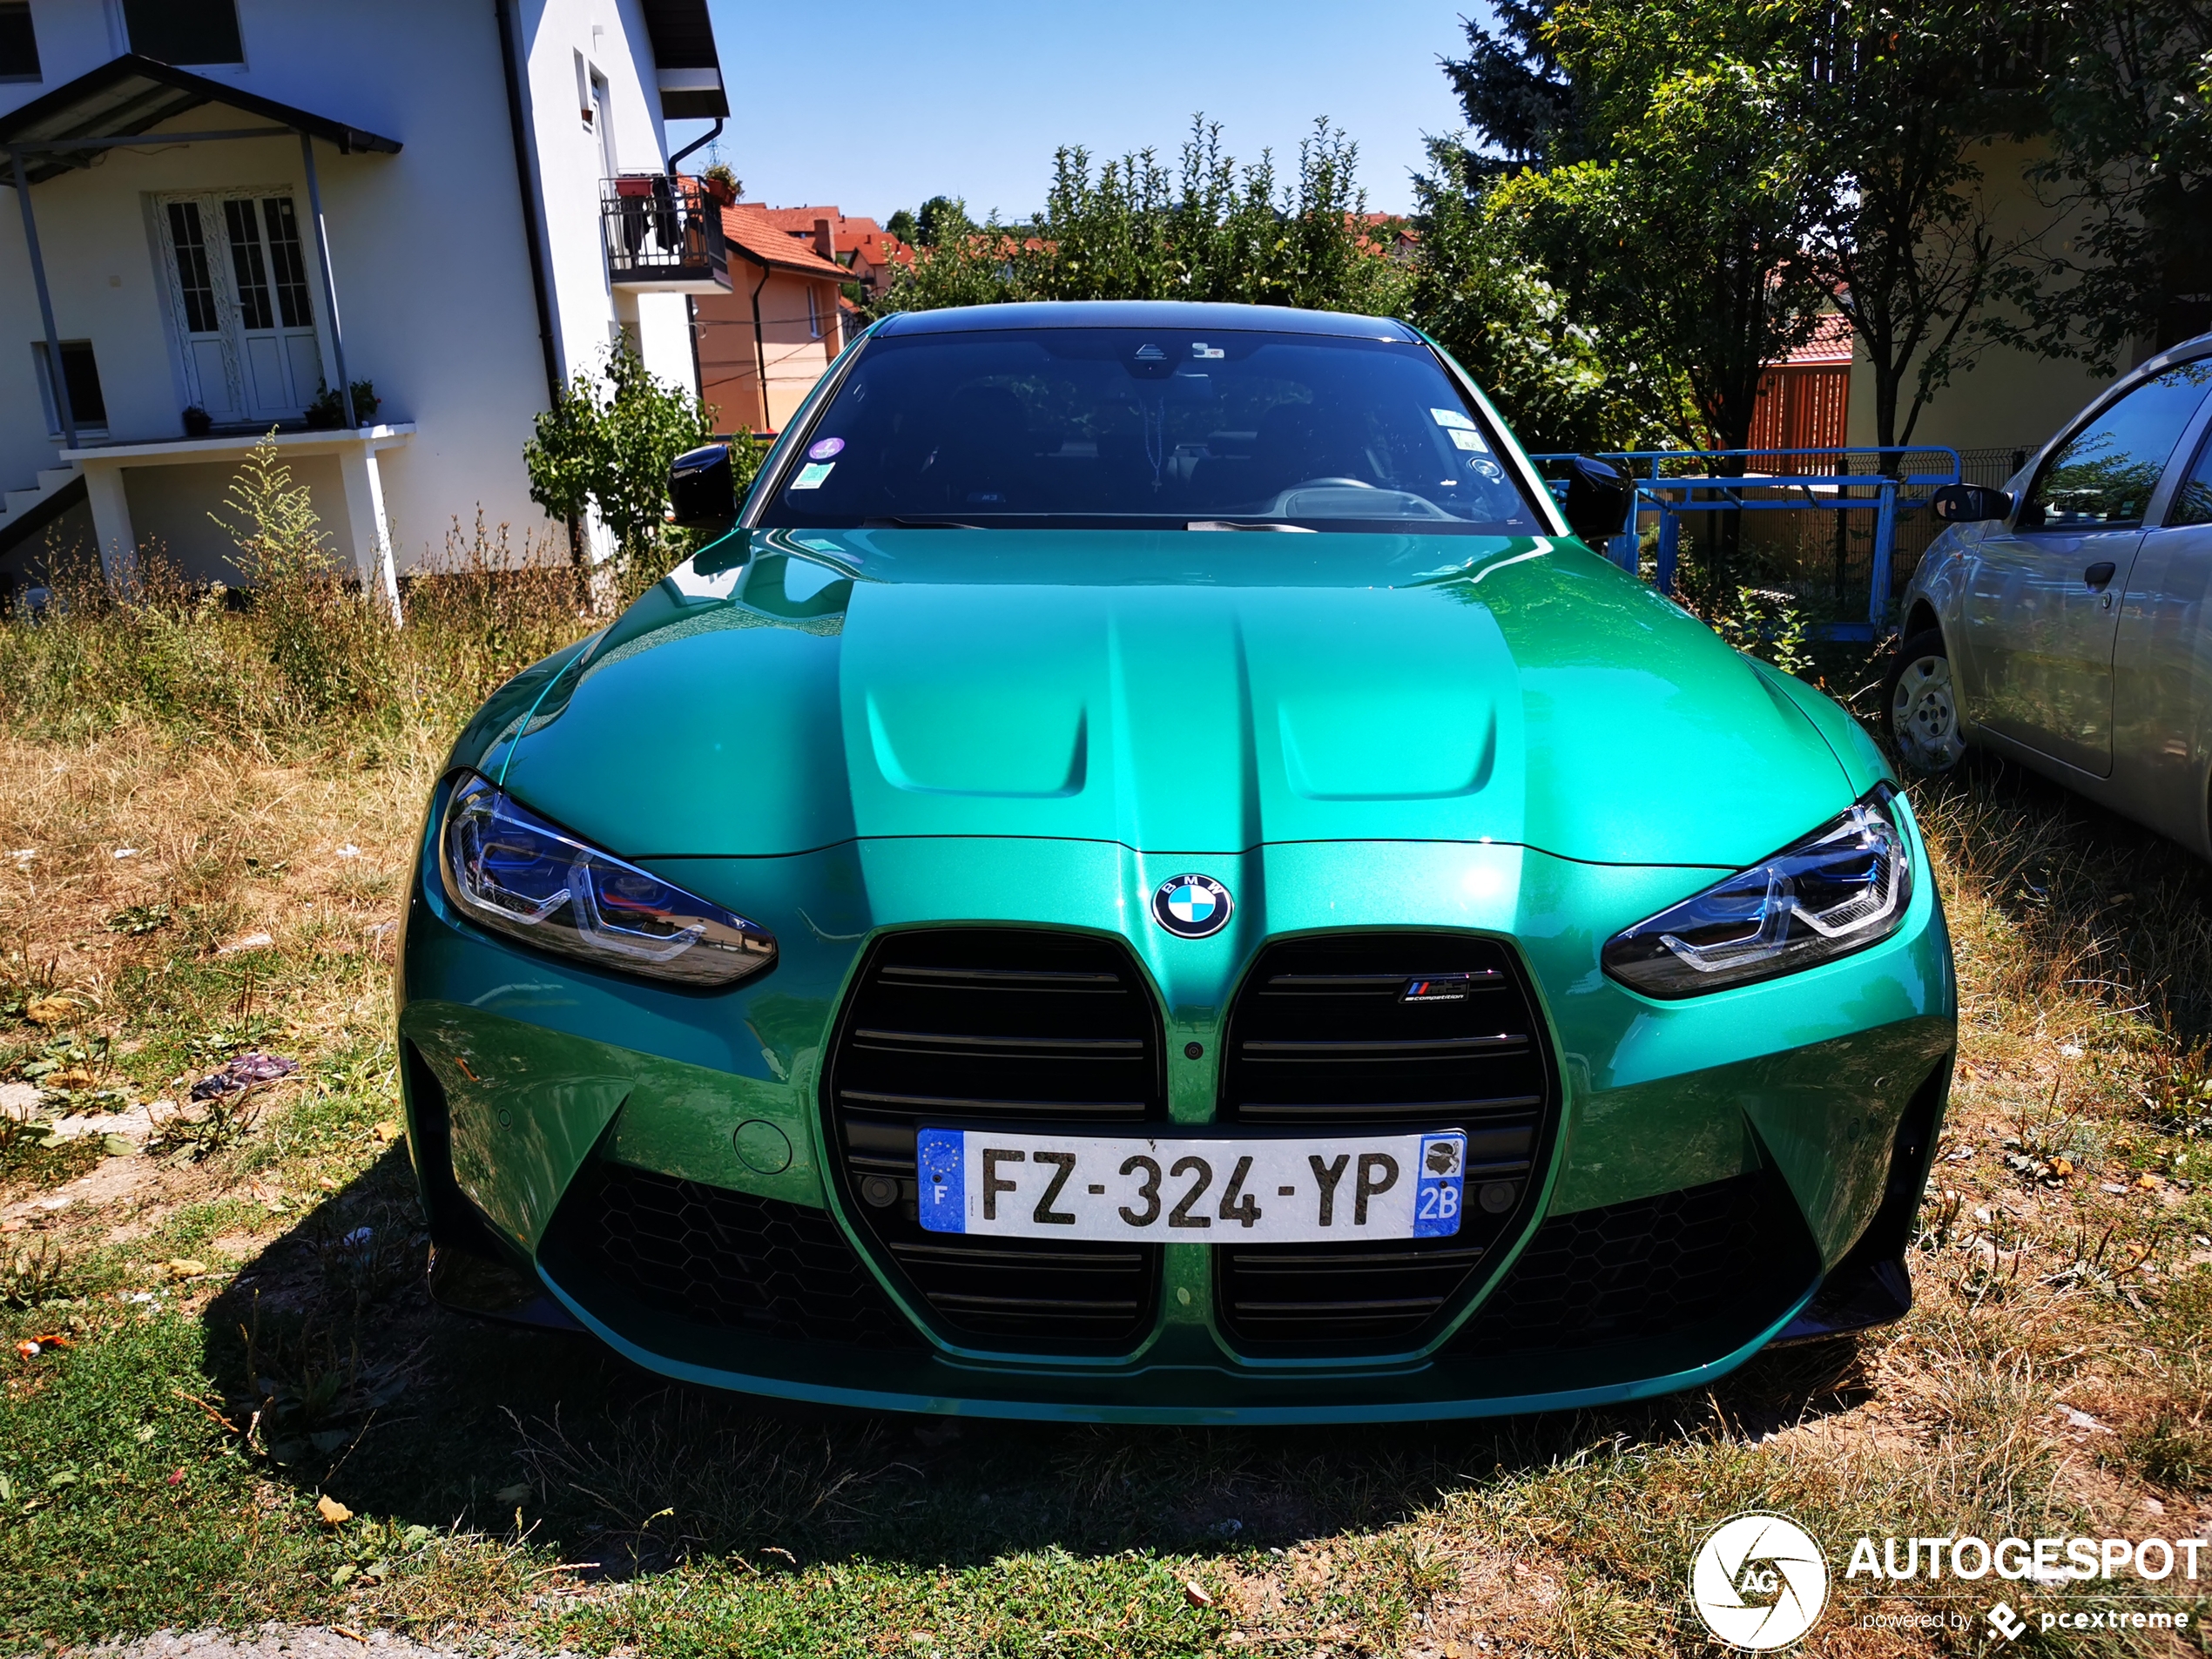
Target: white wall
[432,271]
[608,37]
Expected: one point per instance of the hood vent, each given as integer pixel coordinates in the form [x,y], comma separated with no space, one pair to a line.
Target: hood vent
[960,1025]
[1351,1033]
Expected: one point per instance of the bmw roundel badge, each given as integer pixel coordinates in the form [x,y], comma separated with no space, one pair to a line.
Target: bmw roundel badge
[1191,906]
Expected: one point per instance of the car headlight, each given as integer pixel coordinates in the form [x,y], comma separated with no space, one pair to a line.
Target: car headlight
[1844,886]
[507,868]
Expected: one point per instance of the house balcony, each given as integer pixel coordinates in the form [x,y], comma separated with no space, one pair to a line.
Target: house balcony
[663,235]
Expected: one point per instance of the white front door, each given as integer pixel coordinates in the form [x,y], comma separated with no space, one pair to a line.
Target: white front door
[238,275]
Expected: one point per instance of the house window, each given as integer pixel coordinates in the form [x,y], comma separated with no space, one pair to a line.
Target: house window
[291,264]
[185,31]
[603,122]
[19,44]
[814,313]
[249,266]
[82,377]
[194,280]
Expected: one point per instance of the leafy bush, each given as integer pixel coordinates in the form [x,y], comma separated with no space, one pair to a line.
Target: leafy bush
[328,410]
[1210,229]
[604,449]
[330,646]
[1480,288]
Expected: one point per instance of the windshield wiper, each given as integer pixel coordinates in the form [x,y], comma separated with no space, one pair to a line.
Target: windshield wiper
[1239,524]
[916,524]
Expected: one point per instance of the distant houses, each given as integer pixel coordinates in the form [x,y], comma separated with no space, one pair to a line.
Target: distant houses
[788,314]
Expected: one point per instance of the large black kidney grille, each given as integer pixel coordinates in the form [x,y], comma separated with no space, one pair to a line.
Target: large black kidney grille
[970,1025]
[1353,1033]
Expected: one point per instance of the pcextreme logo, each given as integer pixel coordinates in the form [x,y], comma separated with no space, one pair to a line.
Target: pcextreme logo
[1759,1581]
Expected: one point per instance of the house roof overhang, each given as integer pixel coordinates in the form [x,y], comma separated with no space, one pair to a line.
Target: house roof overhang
[130,95]
[688,68]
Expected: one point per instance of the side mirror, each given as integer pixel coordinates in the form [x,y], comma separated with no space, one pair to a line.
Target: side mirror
[701,489]
[1969,504]
[1597,500]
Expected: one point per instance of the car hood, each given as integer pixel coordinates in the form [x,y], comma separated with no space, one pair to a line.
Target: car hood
[1174,692]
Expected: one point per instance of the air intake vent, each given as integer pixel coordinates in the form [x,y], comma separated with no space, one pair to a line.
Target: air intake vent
[717,1256]
[979,1025]
[1733,1252]
[1384,1031]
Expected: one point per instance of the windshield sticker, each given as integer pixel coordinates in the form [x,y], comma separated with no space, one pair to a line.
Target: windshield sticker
[1453,418]
[826,449]
[1469,440]
[1199,348]
[812,475]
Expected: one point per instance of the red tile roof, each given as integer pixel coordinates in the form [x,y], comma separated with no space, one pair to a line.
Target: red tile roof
[751,236]
[850,234]
[1830,341]
[800,221]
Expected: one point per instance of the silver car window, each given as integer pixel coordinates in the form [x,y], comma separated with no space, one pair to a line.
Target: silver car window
[2193,500]
[2103,478]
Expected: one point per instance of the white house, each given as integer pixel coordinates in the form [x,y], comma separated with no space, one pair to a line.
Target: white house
[222,207]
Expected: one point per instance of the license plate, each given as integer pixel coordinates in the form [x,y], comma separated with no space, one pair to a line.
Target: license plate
[1169,1187]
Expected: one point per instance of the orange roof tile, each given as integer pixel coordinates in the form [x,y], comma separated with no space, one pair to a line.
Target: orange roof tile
[1830,341]
[847,230]
[746,227]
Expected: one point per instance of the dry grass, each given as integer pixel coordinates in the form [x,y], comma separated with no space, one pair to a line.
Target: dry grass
[2062,1270]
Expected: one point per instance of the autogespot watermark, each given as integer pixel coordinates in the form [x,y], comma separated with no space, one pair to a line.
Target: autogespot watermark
[1760,1581]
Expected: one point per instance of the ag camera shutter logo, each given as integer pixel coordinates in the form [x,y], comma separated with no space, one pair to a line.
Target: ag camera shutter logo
[1759,1581]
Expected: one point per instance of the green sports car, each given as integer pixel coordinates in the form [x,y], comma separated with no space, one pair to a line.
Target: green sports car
[1152,876]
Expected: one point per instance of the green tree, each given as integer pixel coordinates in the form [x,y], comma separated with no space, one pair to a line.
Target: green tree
[2126,93]
[605,446]
[1483,295]
[1520,103]
[1209,228]
[1829,145]
[940,216]
[1899,97]
[1682,240]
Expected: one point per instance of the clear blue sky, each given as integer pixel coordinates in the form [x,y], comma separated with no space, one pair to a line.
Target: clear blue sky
[875,106]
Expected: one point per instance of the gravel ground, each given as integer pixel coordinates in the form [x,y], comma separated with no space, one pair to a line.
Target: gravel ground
[285,1641]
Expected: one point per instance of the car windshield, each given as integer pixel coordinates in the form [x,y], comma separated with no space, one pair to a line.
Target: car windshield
[1149,429]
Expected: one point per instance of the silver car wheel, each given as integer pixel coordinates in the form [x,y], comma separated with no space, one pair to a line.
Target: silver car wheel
[1923,715]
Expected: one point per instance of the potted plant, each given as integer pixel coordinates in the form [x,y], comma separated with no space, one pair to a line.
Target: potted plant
[721,183]
[198,422]
[327,412]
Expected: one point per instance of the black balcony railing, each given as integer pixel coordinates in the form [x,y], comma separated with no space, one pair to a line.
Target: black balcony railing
[662,229]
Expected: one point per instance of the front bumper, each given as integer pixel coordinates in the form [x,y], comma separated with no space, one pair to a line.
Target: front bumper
[1803,1110]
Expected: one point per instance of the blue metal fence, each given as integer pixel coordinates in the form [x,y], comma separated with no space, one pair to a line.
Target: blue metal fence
[1675,483]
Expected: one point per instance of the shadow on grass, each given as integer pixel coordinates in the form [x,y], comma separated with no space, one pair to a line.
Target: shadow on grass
[367,1390]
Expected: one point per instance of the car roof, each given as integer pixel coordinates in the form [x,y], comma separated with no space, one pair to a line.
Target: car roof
[2150,368]
[1144,313]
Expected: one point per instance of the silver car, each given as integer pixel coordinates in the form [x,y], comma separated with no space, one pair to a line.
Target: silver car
[2066,620]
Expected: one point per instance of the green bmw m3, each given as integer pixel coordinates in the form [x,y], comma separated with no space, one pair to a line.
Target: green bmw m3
[1152,876]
